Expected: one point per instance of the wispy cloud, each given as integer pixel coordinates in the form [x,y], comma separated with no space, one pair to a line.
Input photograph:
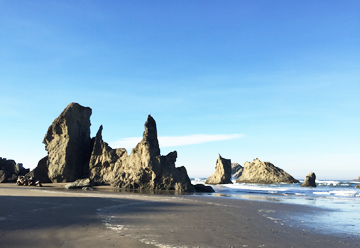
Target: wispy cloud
[167,141]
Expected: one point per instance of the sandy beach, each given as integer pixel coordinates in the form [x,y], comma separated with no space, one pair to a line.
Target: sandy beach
[52,217]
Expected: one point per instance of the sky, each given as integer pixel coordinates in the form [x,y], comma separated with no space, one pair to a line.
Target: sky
[275,80]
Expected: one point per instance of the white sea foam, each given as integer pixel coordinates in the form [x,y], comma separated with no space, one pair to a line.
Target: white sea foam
[324,188]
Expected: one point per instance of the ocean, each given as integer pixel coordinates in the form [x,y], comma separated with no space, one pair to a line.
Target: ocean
[325,189]
[339,198]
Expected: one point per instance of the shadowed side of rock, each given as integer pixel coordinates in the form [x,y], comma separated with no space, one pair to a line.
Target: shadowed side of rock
[309,180]
[236,170]
[68,144]
[222,174]
[264,173]
[41,171]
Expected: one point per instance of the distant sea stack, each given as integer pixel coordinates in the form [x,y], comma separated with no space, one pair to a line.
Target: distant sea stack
[309,180]
[264,173]
[236,170]
[222,174]
[356,179]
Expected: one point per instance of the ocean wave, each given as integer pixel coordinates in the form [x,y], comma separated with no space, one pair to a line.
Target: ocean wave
[325,188]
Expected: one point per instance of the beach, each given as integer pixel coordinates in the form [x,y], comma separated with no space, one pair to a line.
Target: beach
[53,217]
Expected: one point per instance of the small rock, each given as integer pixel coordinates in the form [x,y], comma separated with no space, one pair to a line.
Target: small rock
[87,188]
[203,188]
[80,183]
[309,180]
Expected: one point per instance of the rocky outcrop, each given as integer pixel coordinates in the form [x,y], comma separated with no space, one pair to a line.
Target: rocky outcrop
[203,188]
[41,171]
[73,155]
[358,186]
[222,174]
[9,170]
[236,170]
[104,160]
[264,173]
[28,181]
[143,169]
[79,184]
[356,179]
[309,180]
[68,144]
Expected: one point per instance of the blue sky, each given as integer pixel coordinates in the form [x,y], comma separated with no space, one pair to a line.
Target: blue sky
[274,80]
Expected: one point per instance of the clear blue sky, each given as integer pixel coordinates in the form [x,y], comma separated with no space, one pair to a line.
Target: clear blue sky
[274,80]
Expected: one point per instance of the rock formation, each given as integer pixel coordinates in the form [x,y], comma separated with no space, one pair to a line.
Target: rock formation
[358,186]
[9,170]
[236,170]
[28,181]
[203,188]
[222,174]
[143,169]
[104,160]
[73,155]
[264,173]
[41,171]
[309,180]
[356,179]
[79,184]
[68,144]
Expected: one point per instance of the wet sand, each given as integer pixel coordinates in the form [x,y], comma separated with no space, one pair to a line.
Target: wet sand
[51,217]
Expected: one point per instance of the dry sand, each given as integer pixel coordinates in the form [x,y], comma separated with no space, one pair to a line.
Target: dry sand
[51,217]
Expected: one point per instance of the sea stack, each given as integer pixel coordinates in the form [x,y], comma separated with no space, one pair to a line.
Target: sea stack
[143,169]
[73,155]
[68,144]
[264,173]
[309,180]
[222,174]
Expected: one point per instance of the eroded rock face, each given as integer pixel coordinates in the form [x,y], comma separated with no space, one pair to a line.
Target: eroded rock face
[236,170]
[41,171]
[9,170]
[309,180]
[68,144]
[143,169]
[264,173]
[222,174]
[104,160]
